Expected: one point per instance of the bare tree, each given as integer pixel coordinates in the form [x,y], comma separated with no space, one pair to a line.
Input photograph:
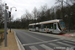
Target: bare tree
[1,12]
[35,13]
[27,15]
[71,1]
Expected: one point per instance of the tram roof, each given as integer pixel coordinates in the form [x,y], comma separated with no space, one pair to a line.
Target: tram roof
[45,22]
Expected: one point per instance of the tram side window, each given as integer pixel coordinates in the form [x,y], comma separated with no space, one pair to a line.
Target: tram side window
[45,25]
[33,26]
[30,26]
[51,25]
[48,25]
[39,26]
[42,26]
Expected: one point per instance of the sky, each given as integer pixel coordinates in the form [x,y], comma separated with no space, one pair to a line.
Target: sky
[23,5]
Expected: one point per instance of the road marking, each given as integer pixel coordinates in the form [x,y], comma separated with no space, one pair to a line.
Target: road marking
[73,40]
[70,41]
[40,42]
[64,44]
[46,47]
[53,44]
[33,48]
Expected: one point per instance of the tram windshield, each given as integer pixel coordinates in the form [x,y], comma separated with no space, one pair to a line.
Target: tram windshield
[62,24]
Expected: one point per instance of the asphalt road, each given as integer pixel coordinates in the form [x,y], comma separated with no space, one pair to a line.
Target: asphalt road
[33,41]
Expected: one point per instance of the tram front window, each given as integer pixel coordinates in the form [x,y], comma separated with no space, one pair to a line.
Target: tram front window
[62,24]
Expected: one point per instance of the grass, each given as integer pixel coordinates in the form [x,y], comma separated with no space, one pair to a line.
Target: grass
[1,31]
[71,32]
[1,35]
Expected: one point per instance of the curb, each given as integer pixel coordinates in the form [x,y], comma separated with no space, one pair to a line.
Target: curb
[1,44]
[20,46]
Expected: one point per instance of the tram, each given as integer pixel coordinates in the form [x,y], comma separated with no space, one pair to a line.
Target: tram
[52,26]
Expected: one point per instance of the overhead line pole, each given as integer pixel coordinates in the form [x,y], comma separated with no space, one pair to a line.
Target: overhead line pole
[62,16]
[62,9]
[69,13]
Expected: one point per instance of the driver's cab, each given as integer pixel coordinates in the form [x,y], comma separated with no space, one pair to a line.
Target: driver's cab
[59,27]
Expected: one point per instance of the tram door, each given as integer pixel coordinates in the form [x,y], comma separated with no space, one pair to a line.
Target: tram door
[54,28]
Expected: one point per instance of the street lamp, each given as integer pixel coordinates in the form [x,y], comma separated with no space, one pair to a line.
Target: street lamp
[10,17]
[13,7]
[5,24]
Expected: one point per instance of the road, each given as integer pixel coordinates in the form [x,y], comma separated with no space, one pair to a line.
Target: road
[34,41]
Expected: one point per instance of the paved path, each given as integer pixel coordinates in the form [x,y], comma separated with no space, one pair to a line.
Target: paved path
[11,42]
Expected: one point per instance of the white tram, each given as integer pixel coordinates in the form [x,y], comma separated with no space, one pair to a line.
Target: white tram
[53,26]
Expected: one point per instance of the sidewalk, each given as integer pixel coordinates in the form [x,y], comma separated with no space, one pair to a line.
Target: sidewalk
[11,42]
[69,34]
[71,31]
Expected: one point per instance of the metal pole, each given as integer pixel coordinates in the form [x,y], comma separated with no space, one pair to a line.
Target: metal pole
[69,19]
[69,23]
[62,9]
[10,19]
[5,27]
[10,24]
[53,14]
[69,15]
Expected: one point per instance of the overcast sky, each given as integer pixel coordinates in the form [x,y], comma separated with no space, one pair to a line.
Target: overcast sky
[23,5]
